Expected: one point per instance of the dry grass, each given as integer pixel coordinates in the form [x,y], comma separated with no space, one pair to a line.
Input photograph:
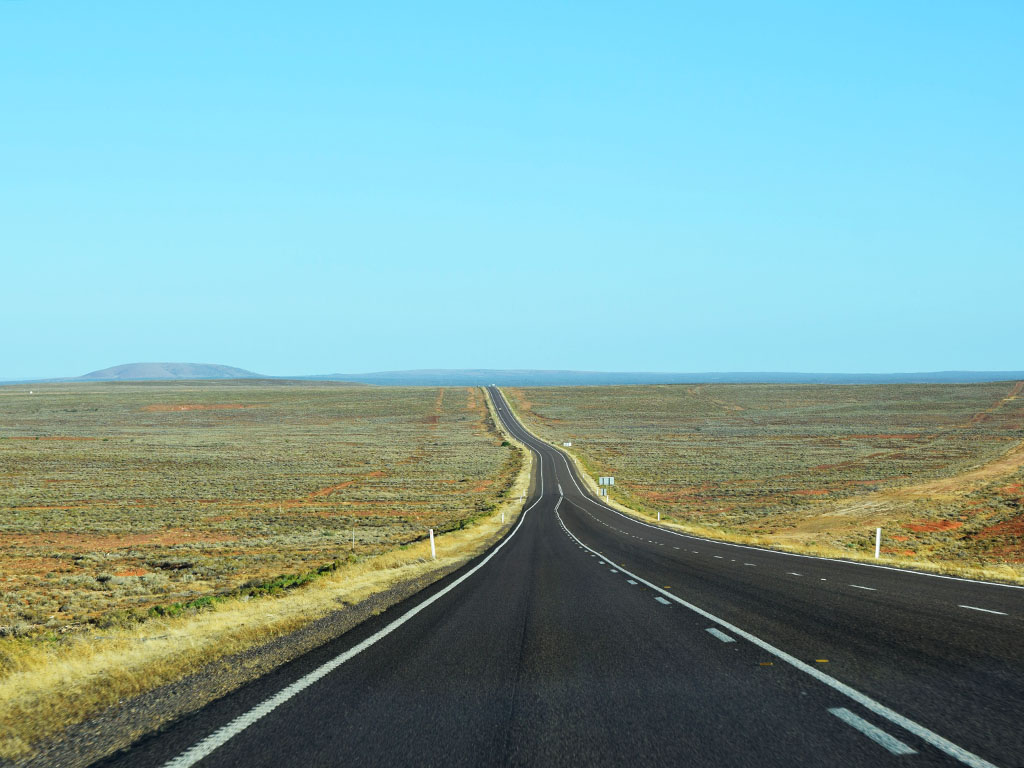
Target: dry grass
[941,472]
[49,683]
[117,498]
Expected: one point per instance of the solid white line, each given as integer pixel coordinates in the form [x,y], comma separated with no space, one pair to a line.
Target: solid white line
[983,610]
[663,601]
[721,635]
[225,733]
[951,749]
[858,586]
[873,732]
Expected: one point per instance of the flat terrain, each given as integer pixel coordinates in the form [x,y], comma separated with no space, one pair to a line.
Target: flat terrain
[588,637]
[938,466]
[115,498]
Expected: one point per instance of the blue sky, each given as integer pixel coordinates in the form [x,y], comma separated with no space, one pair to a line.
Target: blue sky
[317,187]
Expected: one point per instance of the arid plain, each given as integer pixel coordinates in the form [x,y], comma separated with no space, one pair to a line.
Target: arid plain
[939,467]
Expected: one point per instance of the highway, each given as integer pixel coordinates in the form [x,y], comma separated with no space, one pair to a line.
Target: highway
[586,637]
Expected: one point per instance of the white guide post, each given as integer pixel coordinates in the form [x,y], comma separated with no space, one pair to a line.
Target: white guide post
[878,542]
[433,552]
[659,516]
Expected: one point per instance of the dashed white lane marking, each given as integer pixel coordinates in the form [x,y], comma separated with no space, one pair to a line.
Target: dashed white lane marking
[662,600]
[983,610]
[873,732]
[613,570]
[793,573]
[750,564]
[721,635]
[858,586]
[675,547]
[630,581]
[226,732]
[718,557]
[928,736]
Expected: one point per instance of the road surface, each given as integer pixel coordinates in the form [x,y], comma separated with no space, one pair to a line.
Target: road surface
[589,638]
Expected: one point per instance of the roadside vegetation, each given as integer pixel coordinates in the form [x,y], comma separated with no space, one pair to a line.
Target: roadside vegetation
[146,530]
[811,468]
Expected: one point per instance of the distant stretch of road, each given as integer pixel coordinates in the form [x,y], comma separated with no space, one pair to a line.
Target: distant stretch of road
[586,637]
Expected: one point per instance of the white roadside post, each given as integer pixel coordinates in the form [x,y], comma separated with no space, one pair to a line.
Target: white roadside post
[659,515]
[878,542]
[433,552]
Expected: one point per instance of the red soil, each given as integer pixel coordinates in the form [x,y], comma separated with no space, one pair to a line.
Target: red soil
[926,526]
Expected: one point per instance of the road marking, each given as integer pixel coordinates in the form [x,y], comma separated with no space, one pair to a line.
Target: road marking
[718,557]
[226,732]
[630,581]
[750,564]
[675,547]
[923,733]
[721,635]
[858,586]
[873,732]
[613,570]
[793,573]
[662,600]
[983,610]
[662,529]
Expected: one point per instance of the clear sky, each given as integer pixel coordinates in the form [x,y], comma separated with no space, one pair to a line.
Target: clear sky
[316,187]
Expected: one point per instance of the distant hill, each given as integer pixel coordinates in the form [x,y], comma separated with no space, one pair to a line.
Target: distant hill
[476,377]
[160,371]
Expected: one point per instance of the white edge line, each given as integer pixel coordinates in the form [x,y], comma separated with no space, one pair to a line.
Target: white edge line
[929,736]
[226,732]
[873,732]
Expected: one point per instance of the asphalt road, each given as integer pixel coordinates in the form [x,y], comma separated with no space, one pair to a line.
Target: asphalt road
[588,638]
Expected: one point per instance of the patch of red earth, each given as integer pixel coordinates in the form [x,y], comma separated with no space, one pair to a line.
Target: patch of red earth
[900,538]
[25,566]
[332,488]
[1014,488]
[1014,528]
[170,408]
[132,572]
[929,526]
[82,542]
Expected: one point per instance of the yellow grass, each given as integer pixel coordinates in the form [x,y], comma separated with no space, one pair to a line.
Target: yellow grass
[46,687]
